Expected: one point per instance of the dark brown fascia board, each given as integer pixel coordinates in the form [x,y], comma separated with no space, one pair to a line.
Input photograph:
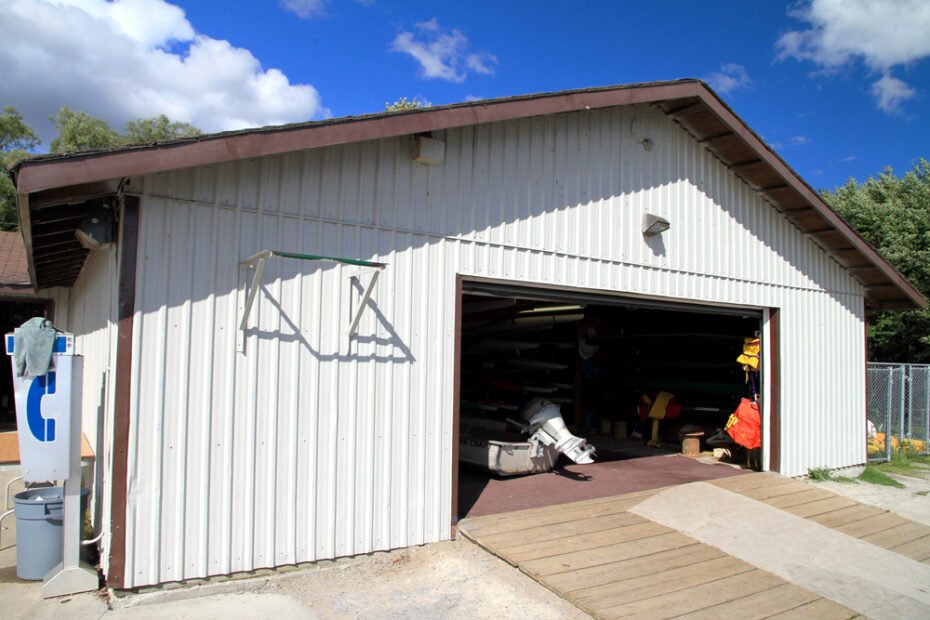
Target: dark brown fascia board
[47,174]
[25,225]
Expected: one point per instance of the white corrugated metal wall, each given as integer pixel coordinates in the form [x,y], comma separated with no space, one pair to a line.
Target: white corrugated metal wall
[297,450]
[88,310]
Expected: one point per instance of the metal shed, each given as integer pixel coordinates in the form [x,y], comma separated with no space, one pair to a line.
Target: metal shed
[327,426]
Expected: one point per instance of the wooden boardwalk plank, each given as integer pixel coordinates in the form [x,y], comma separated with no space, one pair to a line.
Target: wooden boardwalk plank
[908,533]
[634,568]
[872,525]
[680,602]
[641,587]
[765,493]
[535,517]
[849,514]
[779,599]
[738,484]
[561,546]
[611,553]
[811,509]
[798,498]
[916,550]
[543,533]
[822,609]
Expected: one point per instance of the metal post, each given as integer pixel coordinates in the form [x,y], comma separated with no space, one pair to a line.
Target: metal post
[910,402]
[903,389]
[888,414]
[926,436]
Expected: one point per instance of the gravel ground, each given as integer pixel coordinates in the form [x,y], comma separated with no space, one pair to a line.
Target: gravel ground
[911,502]
[453,579]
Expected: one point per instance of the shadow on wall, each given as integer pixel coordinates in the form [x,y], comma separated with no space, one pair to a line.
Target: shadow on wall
[293,334]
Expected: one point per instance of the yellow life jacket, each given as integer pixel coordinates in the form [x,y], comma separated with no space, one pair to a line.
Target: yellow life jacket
[749,358]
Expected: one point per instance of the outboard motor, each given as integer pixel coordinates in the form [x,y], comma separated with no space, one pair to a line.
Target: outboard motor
[545,425]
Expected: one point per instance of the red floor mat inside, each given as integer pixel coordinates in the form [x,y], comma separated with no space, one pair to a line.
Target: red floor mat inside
[483,494]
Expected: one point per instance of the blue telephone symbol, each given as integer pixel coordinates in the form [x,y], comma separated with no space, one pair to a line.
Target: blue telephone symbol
[41,428]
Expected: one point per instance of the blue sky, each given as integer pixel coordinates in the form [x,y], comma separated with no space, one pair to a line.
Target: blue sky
[838,87]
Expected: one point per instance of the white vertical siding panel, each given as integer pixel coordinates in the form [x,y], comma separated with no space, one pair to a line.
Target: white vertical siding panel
[198,402]
[89,311]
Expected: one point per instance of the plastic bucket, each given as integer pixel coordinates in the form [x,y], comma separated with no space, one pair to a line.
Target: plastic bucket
[39,533]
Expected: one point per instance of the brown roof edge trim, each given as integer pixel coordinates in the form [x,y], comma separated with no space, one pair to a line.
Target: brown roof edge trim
[38,175]
[798,184]
[25,227]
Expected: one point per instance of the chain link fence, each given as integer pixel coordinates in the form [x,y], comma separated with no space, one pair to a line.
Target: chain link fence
[898,409]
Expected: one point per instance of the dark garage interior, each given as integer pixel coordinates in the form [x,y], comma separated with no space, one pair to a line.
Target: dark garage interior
[603,361]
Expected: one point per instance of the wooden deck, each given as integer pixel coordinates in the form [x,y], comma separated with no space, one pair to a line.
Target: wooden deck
[868,523]
[612,563]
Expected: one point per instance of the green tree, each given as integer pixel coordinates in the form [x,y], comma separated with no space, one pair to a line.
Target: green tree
[79,131]
[157,129]
[893,215]
[16,140]
[403,104]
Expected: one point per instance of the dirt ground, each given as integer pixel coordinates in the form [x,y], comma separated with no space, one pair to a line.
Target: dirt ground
[454,579]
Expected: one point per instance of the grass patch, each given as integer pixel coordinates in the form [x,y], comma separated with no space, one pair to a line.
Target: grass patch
[819,474]
[906,463]
[873,475]
[822,474]
[921,493]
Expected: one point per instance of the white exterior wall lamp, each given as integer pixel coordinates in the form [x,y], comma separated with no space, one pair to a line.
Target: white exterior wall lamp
[654,225]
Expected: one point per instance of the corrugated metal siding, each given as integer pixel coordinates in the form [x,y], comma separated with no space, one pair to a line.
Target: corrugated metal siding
[298,450]
[88,310]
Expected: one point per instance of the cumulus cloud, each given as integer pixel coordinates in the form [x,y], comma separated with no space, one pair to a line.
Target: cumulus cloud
[731,77]
[883,34]
[890,93]
[131,59]
[304,9]
[443,54]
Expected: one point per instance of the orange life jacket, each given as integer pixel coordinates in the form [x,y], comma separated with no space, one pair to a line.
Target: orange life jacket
[745,425]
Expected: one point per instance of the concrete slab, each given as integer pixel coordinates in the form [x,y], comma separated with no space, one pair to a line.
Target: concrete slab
[859,575]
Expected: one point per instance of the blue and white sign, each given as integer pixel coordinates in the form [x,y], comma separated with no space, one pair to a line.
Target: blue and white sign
[45,408]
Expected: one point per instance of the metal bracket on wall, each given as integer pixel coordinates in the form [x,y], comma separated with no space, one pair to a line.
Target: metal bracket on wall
[256,262]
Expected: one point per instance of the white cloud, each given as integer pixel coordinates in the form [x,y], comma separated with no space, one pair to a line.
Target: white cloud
[798,140]
[131,59]
[731,77]
[883,34]
[443,54]
[849,158]
[890,93]
[305,9]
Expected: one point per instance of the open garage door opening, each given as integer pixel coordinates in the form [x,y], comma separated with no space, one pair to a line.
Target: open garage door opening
[632,379]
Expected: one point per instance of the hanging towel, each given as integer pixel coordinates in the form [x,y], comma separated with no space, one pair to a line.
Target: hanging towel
[32,347]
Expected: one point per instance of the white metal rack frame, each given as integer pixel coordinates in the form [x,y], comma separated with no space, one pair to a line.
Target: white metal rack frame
[256,263]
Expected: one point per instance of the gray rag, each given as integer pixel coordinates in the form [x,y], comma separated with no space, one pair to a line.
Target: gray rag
[32,347]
